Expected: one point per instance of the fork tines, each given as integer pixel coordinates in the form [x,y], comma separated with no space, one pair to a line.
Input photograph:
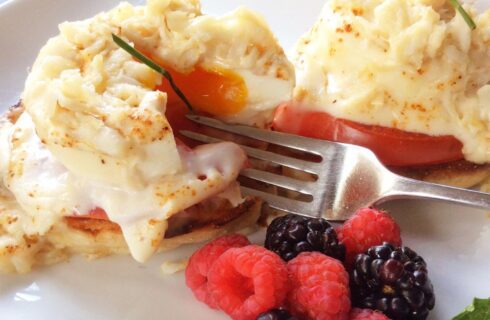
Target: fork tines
[348,177]
[306,145]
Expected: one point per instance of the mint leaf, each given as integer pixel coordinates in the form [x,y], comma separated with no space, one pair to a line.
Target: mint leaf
[479,310]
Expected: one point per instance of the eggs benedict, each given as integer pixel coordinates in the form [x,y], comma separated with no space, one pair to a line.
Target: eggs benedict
[407,79]
[89,162]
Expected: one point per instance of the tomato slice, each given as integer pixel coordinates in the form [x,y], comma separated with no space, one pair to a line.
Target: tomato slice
[393,147]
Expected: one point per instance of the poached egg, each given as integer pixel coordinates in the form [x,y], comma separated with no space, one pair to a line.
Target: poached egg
[94,132]
[413,65]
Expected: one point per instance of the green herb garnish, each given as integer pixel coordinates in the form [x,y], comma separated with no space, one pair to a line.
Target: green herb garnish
[479,310]
[144,59]
[458,7]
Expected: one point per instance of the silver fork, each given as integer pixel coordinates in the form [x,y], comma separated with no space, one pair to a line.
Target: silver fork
[349,177]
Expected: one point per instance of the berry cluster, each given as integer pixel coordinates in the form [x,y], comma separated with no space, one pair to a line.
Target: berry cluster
[319,287]
[290,235]
[394,281]
[241,279]
[246,281]
[310,271]
[196,273]
[366,229]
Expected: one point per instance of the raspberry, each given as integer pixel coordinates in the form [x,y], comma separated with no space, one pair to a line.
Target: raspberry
[368,227]
[394,281]
[366,314]
[248,281]
[196,273]
[319,287]
[291,234]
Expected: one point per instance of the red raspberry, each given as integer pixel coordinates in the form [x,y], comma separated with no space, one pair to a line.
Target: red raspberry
[366,314]
[196,273]
[248,281]
[319,287]
[368,227]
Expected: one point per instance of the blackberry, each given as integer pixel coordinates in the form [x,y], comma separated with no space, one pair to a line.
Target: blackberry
[394,281]
[276,314]
[290,235]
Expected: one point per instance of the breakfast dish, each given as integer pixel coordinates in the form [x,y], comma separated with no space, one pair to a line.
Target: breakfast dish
[413,89]
[303,272]
[89,161]
[92,163]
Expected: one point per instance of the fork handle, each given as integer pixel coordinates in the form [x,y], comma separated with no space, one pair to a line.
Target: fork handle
[404,188]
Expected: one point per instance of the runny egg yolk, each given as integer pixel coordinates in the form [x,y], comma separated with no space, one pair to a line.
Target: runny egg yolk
[218,92]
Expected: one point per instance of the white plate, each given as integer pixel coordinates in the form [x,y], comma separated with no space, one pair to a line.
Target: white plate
[448,237]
